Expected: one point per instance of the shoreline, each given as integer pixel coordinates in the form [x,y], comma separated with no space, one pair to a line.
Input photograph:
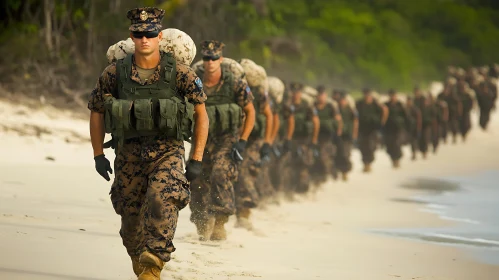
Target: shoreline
[56,215]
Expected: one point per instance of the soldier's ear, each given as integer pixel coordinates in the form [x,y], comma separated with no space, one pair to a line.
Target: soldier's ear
[221,59]
[160,35]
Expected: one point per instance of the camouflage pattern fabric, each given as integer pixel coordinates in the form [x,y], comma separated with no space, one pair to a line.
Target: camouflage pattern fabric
[246,193]
[393,141]
[367,145]
[213,192]
[148,191]
[145,19]
[212,48]
[324,165]
[342,159]
[302,159]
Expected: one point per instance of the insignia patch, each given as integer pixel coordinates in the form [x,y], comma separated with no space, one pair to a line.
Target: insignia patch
[315,112]
[248,90]
[210,46]
[198,82]
[143,15]
[292,108]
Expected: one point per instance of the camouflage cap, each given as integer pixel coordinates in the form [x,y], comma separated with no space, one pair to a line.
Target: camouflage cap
[145,19]
[295,87]
[212,48]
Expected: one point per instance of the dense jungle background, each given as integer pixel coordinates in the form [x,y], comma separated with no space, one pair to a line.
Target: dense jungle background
[58,47]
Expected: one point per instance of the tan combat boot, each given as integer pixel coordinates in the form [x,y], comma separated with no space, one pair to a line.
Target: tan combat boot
[243,220]
[344,176]
[367,168]
[205,229]
[137,267]
[219,232]
[152,266]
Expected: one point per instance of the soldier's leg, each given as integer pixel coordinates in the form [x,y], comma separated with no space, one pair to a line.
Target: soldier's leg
[127,195]
[484,117]
[201,197]
[223,176]
[364,147]
[167,194]
[306,162]
[397,148]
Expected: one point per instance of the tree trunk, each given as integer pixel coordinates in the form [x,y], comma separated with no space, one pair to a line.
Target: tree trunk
[47,8]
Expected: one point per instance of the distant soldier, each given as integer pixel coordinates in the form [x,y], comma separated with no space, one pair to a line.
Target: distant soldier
[414,127]
[486,95]
[394,127]
[467,98]
[372,116]
[305,139]
[455,109]
[349,134]
[331,128]
[439,127]
[229,99]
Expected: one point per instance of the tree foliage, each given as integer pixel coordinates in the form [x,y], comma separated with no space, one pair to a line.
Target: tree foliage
[61,44]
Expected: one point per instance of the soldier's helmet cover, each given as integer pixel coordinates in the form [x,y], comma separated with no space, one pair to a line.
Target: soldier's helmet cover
[146,19]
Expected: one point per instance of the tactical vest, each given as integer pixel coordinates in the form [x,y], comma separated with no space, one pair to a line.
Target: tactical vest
[224,113]
[303,125]
[260,119]
[397,116]
[329,124]
[369,114]
[348,118]
[148,110]
[427,114]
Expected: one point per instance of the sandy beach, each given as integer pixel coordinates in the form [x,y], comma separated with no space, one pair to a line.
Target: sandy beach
[57,221]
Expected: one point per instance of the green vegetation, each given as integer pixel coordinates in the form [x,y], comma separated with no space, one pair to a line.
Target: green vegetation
[342,43]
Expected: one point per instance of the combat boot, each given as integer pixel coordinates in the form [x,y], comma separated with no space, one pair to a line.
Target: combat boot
[137,267]
[367,168]
[205,229]
[219,232]
[396,164]
[344,176]
[243,220]
[152,266]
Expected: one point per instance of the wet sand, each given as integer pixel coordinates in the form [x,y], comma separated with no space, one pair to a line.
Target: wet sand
[57,222]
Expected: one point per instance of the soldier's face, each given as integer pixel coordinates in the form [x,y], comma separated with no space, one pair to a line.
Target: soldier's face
[145,45]
[322,98]
[297,96]
[212,65]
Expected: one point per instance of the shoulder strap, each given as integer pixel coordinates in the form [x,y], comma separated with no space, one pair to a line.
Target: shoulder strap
[123,70]
[169,71]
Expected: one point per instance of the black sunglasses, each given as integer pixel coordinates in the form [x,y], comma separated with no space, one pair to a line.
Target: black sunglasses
[149,34]
[212,58]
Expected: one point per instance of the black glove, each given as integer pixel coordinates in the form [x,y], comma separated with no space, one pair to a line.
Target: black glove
[102,165]
[193,169]
[265,151]
[237,150]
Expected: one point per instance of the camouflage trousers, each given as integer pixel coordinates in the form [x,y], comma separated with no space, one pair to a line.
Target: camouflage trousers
[324,164]
[393,140]
[246,192]
[465,124]
[213,191]
[425,138]
[279,169]
[302,159]
[148,195]
[367,145]
[342,159]
[485,115]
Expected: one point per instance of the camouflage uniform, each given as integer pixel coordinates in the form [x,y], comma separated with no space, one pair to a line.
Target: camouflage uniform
[467,103]
[453,105]
[413,113]
[343,162]
[324,165]
[302,158]
[486,95]
[369,123]
[213,197]
[394,128]
[149,186]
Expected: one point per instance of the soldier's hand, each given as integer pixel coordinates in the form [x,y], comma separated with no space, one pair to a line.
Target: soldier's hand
[102,165]
[237,150]
[193,169]
[265,150]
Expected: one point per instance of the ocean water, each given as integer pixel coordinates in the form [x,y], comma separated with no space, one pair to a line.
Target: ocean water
[472,202]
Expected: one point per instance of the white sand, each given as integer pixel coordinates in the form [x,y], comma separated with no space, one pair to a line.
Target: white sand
[57,222]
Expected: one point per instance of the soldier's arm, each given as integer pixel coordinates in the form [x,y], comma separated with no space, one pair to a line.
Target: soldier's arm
[269,118]
[419,120]
[384,114]
[338,119]
[355,132]
[244,98]
[317,126]
[190,86]
[106,84]
[276,123]
[291,127]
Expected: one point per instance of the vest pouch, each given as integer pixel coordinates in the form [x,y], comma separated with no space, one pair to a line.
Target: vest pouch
[121,120]
[187,121]
[235,116]
[167,122]
[108,116]
[224,115]
[212,117]
[143,115]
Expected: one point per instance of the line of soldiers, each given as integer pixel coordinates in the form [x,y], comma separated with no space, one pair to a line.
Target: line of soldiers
[254,137]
